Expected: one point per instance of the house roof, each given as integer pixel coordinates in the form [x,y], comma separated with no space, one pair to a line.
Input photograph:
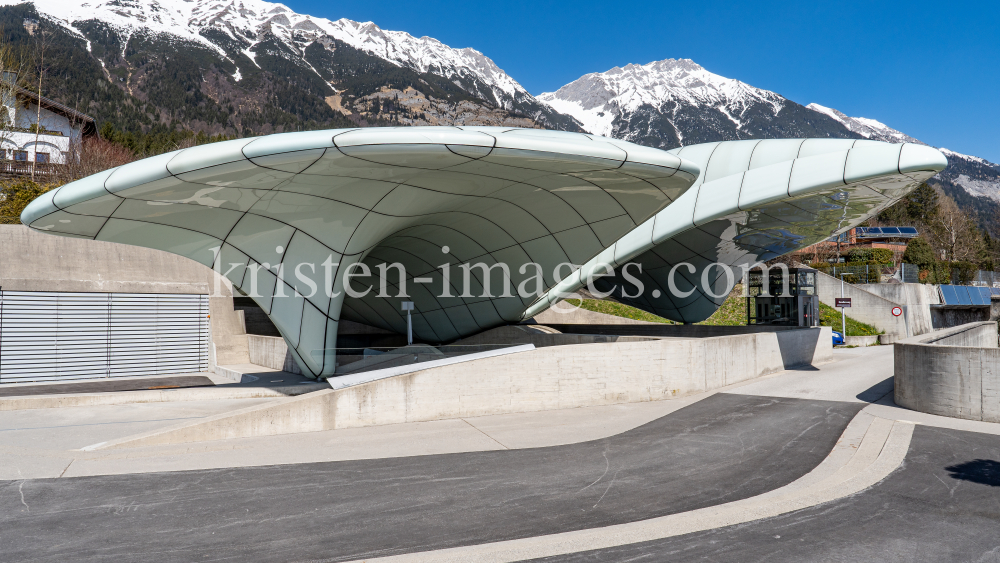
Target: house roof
[88,122]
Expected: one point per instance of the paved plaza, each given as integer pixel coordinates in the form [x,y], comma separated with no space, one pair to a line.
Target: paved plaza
[462,489]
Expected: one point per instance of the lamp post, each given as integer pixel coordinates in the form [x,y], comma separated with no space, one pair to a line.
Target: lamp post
[408,306]
[843,313]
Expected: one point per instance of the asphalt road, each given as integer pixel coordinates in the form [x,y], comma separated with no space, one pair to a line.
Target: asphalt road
[724,448]
[941,505]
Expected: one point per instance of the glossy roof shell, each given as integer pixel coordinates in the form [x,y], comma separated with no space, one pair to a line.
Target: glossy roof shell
[375,196]
[755,200]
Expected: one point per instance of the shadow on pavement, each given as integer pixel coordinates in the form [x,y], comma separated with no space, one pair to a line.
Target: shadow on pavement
[877,391]
[982,471]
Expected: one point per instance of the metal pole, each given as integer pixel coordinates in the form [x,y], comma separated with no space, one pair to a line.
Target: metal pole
[843,315]
[408,306]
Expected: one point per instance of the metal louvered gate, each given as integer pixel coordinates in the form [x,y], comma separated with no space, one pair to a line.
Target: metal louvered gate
[61,336]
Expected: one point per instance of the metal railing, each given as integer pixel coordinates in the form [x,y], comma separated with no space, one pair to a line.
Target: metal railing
[909,273]
[21,167]
[979,278]
[878,273]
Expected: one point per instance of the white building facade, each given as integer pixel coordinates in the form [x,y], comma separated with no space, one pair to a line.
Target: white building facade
[37,130]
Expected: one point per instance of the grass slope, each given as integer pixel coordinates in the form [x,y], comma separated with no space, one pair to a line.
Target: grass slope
[828,316]
[732,312]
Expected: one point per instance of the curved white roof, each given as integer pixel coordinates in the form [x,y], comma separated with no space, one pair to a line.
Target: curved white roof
[329,199]
[379,195]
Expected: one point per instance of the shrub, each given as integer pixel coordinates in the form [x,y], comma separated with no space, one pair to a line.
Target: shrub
[919,252]
[15,195]
[872,255]
[964,271]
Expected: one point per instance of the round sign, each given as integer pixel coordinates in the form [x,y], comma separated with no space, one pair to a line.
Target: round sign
[897,311]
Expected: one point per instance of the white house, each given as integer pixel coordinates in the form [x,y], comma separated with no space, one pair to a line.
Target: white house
[45,135]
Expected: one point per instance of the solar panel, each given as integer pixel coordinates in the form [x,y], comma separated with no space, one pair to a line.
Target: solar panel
[963,295]
[879,232]
[995,291]
[980,295]
[948,295]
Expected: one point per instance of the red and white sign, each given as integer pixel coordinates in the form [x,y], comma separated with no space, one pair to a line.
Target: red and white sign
[897,311]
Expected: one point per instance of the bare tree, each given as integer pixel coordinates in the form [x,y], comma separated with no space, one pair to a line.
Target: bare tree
[42,38]
[953,233]
[15,68]
[91,156]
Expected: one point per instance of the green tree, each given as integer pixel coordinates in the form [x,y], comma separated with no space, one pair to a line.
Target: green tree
[922,204]
[919,252]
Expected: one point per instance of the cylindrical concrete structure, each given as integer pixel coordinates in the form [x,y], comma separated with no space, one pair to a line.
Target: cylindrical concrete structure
[952,372]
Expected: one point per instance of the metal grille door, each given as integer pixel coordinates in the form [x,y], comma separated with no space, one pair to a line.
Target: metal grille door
[61,336]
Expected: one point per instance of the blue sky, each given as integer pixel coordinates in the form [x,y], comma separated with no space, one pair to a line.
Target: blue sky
[929,69]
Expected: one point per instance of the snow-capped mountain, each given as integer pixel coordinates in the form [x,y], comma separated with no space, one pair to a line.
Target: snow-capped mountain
[597,99]
[867,128]
[230,28]
[249,20]
[677,102]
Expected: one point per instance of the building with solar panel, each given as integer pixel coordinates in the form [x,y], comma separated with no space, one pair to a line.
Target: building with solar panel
[890,238]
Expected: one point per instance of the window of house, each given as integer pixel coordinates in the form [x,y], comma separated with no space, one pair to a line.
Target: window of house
[21,156]
[42,157]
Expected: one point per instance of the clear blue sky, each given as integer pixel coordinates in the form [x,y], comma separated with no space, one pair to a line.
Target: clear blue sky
[929,69]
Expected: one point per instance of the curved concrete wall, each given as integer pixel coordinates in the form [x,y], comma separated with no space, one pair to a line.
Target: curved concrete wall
[952,372]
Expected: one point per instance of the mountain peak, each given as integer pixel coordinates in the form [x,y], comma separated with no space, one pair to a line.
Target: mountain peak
[248,21]
[596,99]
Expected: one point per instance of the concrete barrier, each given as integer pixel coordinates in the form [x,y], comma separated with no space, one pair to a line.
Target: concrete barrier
[861,340]
[554,377]
[866,307]
[951,372]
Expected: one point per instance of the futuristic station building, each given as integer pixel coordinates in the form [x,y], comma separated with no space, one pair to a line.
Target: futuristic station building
[456,219]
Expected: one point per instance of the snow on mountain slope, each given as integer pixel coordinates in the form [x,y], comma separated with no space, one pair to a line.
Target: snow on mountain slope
[250,20]
[596,99]
[867,128]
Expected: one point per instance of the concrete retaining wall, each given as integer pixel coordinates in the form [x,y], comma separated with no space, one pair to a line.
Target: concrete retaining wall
[951,372]
[32,261]
[861,340]
[555,377]
[271,352]
[916,297]
[865,306]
